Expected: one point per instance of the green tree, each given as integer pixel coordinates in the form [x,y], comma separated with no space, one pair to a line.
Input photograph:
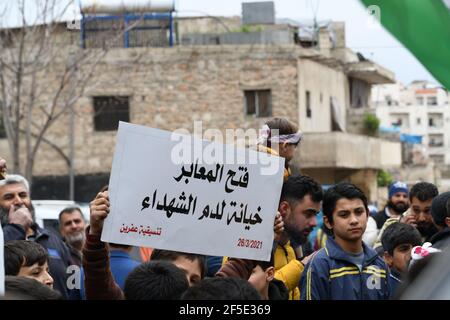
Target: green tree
[384,178]
[371,124]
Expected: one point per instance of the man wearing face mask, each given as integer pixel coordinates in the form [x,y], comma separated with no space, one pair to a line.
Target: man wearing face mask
[397,204]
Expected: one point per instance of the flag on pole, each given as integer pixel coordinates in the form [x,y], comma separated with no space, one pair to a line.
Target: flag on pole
[422,26]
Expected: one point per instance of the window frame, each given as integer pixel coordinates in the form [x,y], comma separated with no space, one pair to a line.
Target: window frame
[257,110]
[104,126]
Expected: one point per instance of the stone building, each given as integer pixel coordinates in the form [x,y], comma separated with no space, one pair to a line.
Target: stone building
[226,86]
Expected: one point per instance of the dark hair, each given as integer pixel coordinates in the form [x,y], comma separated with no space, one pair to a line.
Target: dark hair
[167,255]
[222,288]
[339,191]
[70,210]
[23,253]
[440,209]
[423,191]
[265,264]
[284,126]
[400,233]
[155,280]
[22,288]
[296,187]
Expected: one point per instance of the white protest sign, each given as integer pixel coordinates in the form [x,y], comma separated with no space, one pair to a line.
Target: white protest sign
[224,207]
[2,264]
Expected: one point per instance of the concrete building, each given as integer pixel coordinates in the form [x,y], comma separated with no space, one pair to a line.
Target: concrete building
[419,109]
[315,82]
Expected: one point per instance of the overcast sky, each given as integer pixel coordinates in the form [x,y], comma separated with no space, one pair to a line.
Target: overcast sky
[373,42]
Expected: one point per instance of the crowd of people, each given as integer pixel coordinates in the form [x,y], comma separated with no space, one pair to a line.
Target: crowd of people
[327,245]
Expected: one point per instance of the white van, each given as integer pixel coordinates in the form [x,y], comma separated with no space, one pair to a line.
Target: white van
[47,211]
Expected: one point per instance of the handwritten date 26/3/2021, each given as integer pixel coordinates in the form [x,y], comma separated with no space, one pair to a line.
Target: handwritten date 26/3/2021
[247,243]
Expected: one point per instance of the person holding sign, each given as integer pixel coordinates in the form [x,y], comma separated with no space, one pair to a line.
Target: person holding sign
[100,284]
[280,137]
[142,283]
[299,204]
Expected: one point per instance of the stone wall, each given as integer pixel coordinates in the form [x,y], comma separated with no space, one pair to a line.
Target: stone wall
[170,88]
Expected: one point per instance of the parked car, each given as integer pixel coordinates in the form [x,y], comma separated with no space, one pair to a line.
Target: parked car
[47,211]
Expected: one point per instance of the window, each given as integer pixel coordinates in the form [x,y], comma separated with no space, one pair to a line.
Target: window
[419,121]
[436,140]
[432,101]
[431,122]
[258,103]
[308,104]
[419,100]
[398,123]
[108,111]
[438,158]
[388,99]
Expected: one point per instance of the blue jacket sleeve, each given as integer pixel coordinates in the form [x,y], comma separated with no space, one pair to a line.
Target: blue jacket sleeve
[390,286]
[13,232]
[315,283]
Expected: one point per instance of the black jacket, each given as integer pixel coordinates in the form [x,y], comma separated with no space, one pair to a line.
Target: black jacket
[277,290]
[75,255]
[380,217]
[441,240]
[59,255]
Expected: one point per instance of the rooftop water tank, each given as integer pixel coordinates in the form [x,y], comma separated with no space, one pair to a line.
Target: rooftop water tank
[118,6]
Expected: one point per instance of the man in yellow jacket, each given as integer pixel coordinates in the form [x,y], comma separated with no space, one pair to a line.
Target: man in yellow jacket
[300,201]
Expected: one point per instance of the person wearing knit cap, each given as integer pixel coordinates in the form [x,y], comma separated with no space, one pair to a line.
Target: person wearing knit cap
[397,204]
[440,212]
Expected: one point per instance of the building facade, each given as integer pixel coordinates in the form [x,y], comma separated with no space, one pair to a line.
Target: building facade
[225,86]
[419,109]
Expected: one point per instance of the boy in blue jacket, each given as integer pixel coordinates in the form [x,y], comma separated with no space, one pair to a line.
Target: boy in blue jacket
[398,240]
[346,268]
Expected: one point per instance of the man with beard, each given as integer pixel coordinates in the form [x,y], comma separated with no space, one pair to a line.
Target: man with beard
[397,203]
[299,204]
[71,227]
[419,215]
[18,223]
